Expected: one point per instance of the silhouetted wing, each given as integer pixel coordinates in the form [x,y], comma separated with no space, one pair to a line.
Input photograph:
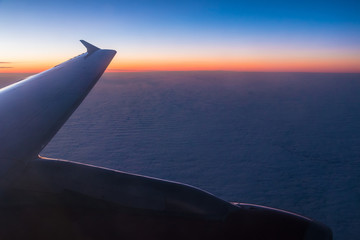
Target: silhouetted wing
[66,200]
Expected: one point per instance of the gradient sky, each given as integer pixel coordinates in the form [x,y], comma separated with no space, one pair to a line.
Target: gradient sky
[310,36]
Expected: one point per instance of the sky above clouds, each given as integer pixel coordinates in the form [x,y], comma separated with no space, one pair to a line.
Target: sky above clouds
[320,36]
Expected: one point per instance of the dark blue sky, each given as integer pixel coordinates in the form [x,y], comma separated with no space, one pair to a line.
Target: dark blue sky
[187,32]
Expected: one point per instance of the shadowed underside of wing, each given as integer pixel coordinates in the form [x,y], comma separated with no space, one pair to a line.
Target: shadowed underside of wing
[55,199]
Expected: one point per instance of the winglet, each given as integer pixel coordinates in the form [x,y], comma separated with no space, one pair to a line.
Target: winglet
[90,48]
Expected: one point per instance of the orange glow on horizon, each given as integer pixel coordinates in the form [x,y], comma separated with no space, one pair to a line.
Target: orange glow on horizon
[251,65]
[26,67]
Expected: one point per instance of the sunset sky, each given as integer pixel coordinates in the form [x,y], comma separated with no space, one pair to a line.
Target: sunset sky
[300,36]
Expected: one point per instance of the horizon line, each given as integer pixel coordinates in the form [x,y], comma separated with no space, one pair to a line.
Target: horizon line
[239,71]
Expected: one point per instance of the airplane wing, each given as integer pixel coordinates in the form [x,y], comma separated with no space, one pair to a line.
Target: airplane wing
[33,110]
[56,199]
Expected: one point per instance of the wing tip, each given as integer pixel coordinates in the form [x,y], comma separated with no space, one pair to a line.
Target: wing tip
[89,47]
